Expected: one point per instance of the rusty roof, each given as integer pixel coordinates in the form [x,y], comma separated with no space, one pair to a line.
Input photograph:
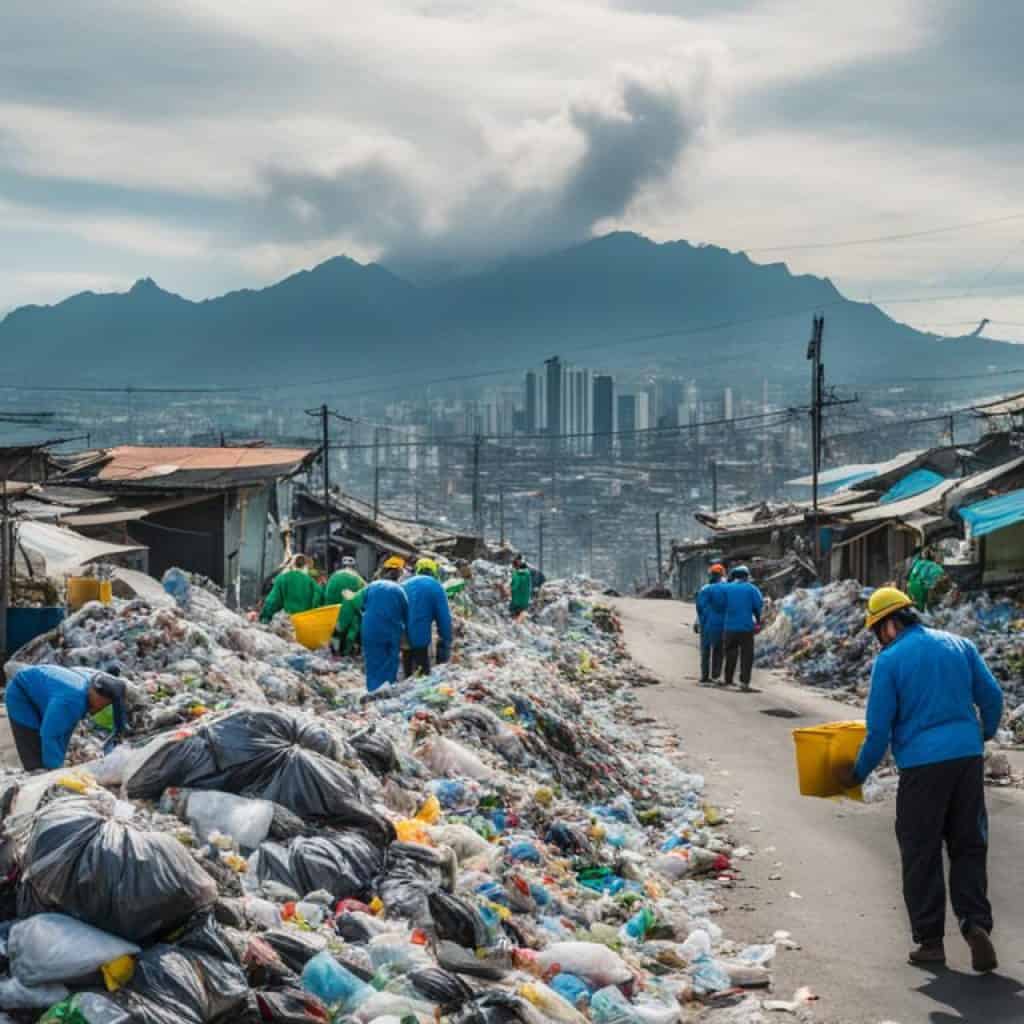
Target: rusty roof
[129,462]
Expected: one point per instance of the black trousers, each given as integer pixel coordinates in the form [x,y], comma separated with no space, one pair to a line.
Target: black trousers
[416,661]
[944,803]
[739,647]
[29,744]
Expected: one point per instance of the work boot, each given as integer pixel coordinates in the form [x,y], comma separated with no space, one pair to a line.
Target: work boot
[928,953]
[983,954]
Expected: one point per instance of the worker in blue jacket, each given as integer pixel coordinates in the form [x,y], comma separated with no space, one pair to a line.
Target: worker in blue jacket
[743,607]
[927,689]
[710,621]
[385,618]
[428,604]
[46,702]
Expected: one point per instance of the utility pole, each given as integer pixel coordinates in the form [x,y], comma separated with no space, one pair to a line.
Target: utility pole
[817,382]
[327,490]
[376,473]
[657,536]
[5,582]
[477,516]
[714,487]
[540,541]
[952,435]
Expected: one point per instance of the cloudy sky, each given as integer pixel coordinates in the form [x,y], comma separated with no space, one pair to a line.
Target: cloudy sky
[216,145]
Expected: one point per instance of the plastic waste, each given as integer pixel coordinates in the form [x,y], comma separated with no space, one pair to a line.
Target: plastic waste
[86,1008]
[109,873]
[14,995]
[609,1006]
[571,988]
[333,984]
[600,965]
[49,948]
[446,757]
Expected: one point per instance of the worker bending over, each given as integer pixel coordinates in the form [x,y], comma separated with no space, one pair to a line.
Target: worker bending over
[925,687]
[711,622]
[46,702]
[521,586]
[294,591]
[743,607]
[428,605]
[385,618]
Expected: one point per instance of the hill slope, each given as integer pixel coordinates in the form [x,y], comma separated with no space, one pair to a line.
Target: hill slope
[615,301]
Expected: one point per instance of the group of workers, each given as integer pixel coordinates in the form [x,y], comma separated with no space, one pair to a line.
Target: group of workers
[728,617]
[391,619]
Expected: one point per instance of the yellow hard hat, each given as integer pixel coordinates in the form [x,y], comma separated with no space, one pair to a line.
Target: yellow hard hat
[427,565]
[883,602]
[394,562]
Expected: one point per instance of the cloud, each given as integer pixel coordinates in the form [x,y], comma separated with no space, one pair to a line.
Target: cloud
[607,150]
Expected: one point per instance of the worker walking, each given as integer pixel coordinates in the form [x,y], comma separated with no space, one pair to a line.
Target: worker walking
[385,618]
[521,586]
[925,688]
[743,607]
[341,589]
[294,591]
[428,605]
[346,578]
[710,623]
[348,631]
[46,702]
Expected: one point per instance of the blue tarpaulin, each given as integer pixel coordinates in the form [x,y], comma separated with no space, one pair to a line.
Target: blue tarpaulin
[994,514]
[911,485]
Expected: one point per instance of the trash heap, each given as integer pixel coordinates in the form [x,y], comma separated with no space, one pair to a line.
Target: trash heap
[819,636]
[496,843]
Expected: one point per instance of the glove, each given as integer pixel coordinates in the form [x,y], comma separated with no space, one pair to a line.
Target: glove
[111,745]
[845,776]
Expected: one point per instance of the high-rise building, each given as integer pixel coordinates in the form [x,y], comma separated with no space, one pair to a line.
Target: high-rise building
[554,378]
[728,411]
[604,414]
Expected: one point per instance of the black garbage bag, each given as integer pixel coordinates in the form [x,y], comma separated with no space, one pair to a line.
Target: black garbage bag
[109,873]
[345,864]
[495,1007]
[195,980]
[295,948]
[353,929]
[442,987]
[291,1006]
[292,760]
[568,839]
[457,920]
[491,965]
[411,871]
[375,750]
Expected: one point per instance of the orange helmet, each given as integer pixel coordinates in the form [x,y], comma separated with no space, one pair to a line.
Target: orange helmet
[717,569]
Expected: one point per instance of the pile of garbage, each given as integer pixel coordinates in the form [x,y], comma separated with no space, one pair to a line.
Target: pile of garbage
[818,635]
[495,843]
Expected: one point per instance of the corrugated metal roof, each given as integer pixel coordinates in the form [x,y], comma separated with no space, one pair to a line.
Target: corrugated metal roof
[971,485]
[138,463]
[905,508]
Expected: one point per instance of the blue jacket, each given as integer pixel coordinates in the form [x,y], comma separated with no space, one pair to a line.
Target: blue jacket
[52,700]
[428,603]
[711,608]
[743,604]
[385,613]
[925,687]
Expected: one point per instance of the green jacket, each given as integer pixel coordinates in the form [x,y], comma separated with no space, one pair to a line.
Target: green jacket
[342,580]
[295,591]
[350,621]
[924,575]
[522,589]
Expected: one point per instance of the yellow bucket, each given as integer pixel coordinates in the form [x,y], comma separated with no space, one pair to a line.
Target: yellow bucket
[314,628]
[83,589]
[820,750]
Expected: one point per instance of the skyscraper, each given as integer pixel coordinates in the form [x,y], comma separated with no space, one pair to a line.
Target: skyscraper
[604,414]
[554,381]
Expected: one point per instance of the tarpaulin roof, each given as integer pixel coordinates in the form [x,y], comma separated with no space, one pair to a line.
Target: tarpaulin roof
[975,485]
[56,550]
[918,482]
[994,514]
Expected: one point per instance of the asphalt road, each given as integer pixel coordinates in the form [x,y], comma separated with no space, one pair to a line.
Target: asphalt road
[838,889]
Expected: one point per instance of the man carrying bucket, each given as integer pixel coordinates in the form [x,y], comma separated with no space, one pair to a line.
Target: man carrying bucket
[927,688]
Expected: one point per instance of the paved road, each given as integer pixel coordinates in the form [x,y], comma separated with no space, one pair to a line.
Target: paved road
[839,857]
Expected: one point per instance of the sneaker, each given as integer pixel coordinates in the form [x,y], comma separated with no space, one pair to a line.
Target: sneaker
[928,953]
[983,953]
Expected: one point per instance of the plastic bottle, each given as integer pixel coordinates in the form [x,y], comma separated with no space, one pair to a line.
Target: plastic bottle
[333,984]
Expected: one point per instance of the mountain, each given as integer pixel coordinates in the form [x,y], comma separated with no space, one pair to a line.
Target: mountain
[617,301]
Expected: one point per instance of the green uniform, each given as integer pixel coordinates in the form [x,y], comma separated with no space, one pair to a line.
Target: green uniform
[350,621]
[522,590]
[924,576]
[342,580]
[295,591]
